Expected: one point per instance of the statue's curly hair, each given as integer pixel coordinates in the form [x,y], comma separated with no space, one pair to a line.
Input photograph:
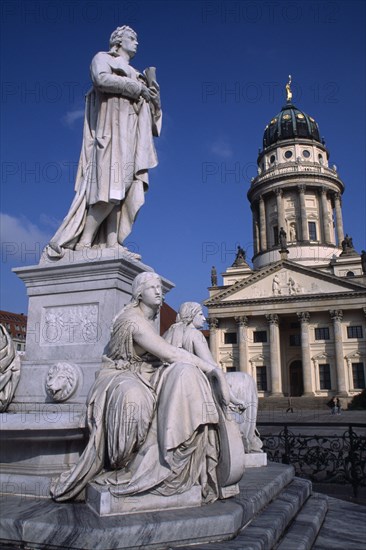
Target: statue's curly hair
[117,34]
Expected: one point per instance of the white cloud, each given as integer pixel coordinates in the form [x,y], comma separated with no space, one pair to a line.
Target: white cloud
[22,241]
[222,148]
[72,116]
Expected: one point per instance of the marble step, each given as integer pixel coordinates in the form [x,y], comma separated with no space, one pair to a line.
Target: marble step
[306,526]
[266,529]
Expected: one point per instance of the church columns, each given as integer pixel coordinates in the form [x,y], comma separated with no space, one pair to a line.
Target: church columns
[262,224]
[275,355]
[213,324]
[304,318]
[337,316]
[242,323]
[280,212]
[256,245]
[339,221]
[325,215]
[303,216]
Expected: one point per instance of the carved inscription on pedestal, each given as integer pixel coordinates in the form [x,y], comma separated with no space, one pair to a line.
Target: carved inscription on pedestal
[69,325]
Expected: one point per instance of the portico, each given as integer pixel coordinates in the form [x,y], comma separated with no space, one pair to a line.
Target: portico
[290,343]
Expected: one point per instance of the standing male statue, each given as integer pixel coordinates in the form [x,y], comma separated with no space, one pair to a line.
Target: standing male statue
[282,237]
[122,114]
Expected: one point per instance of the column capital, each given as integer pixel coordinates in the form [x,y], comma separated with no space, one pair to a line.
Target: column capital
[272,319]
[336,314]
[261,198]
[324,190]
[213,322]
[301,188]
[303,316]
[279,192]
[337,197]
[364,311]
[242,321]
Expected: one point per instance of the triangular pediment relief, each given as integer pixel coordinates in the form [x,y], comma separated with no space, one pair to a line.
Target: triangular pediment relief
[353,355]
[227,358]
[285,279]
[259,358]
[321,357]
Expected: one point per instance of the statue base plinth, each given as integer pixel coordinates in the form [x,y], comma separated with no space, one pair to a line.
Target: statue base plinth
[103,503]
[255,460]
[229,491]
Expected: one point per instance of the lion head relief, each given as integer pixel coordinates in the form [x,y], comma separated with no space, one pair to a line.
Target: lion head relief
[61,382]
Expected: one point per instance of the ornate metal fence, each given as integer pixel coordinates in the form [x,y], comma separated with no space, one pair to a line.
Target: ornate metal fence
[320,458]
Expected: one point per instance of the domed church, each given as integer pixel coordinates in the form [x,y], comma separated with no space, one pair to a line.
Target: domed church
[296,320]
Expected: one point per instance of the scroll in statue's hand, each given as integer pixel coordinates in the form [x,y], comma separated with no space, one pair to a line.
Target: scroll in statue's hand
[155,95]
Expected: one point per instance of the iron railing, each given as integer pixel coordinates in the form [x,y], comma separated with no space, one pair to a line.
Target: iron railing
[338,458]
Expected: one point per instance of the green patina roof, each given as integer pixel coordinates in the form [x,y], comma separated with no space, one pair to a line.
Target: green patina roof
[288,124]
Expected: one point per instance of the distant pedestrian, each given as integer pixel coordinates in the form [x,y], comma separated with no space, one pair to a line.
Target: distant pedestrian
[335,405]
[338,406]
[290,407]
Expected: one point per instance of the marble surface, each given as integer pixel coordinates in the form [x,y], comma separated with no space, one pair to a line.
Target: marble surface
[75,526]
[343,528]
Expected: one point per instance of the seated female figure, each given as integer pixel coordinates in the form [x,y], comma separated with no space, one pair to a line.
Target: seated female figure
[185,334]
[151,412]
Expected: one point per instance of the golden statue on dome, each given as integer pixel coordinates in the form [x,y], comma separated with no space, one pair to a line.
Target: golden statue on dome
[288,90]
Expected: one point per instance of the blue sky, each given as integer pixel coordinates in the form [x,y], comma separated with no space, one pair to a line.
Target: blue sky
[222,68]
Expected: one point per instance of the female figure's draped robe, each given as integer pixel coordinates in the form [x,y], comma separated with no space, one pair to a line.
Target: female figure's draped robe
[152,428]
[242,385]
[117,151]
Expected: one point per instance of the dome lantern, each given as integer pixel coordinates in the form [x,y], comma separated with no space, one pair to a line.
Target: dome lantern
[290,123]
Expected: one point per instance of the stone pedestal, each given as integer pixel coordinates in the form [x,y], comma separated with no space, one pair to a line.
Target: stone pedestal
[72,303]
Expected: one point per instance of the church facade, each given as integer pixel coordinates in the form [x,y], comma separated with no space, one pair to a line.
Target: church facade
[296,320]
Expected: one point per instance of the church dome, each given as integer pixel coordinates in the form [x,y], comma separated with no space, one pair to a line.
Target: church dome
[290,123]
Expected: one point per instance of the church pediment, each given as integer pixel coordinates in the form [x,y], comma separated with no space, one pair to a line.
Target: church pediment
[285,280]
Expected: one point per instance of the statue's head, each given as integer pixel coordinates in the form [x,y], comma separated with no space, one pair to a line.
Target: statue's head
[191,312]
[142,282]
[124,37]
